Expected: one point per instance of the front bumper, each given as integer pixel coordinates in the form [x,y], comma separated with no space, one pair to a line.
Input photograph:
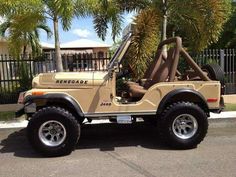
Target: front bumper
[29,108]
[20,112]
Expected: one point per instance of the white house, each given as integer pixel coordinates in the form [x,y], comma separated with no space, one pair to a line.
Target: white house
[82,53]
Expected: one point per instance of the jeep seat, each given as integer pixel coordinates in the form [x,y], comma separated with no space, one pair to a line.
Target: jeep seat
[162,74]
[151,71]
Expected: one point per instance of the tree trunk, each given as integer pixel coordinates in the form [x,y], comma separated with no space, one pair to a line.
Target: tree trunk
[164,28]
[59,66]
[165,21]
[24,52]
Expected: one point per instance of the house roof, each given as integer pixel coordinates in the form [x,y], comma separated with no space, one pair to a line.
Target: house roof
[81,43]
[47,45]
[68,52]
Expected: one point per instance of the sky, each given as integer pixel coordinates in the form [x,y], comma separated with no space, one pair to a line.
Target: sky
[82,28]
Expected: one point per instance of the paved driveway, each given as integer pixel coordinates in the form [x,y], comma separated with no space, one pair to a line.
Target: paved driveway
[123,151]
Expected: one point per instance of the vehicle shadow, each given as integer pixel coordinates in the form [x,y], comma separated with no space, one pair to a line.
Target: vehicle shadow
[105,137]
[18,144]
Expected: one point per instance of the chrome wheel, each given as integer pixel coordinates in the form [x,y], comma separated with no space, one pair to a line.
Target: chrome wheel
[185,126]
[52,133]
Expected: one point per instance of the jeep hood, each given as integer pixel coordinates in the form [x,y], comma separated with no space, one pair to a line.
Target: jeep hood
[70,80]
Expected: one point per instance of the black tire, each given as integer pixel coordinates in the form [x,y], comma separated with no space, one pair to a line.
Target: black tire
[215,72]
[168,118]
[63,118]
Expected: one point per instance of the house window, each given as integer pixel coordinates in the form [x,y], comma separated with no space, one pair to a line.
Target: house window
[100,54]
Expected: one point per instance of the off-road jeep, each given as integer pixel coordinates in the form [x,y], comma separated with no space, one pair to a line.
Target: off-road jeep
[178,103]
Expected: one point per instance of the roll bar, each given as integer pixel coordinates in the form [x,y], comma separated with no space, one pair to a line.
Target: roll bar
[179,50]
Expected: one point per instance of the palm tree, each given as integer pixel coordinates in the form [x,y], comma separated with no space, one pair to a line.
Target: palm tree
[55,10]
[200,21]
[22,35]
[59,10]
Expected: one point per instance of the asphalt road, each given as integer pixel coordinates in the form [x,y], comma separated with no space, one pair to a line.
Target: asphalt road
[124,151]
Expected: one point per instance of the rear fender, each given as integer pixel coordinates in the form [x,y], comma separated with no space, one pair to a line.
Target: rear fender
[187,95]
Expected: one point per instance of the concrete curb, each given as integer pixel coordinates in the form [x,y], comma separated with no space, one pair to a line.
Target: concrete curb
[12,124]
[223,119]
[224,115]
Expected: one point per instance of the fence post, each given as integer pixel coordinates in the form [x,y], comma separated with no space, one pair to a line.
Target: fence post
[222,59]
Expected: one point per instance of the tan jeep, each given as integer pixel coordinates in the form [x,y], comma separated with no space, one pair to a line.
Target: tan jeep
[180,104]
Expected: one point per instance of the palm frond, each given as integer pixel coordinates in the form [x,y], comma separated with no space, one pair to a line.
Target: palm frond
[200,21]
[46,29]
[100,25]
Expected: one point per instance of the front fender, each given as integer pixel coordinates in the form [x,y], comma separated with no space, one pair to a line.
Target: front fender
[56,99]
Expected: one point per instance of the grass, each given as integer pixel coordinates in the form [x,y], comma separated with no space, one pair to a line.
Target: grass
[230,107]
[6,116]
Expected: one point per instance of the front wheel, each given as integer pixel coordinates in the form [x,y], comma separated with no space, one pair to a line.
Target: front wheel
[53,131]
[183,125]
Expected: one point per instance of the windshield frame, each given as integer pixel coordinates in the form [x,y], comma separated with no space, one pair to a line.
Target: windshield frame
[117,57]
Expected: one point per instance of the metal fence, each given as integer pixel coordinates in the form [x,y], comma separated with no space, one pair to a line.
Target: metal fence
[226,58]
[16,74]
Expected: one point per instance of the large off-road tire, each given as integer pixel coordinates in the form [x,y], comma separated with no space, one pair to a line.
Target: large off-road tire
[53,131]
[215,72]
[183,125]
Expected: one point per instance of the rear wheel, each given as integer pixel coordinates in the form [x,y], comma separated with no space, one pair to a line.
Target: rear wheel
[183,125]
[53,131]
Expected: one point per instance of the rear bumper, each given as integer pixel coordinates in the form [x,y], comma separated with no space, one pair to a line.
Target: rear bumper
[221,108]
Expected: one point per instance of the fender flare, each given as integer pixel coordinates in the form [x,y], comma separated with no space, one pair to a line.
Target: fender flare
[183,95]
[56,98]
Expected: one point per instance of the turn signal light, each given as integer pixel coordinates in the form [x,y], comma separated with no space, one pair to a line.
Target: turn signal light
[38,93]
